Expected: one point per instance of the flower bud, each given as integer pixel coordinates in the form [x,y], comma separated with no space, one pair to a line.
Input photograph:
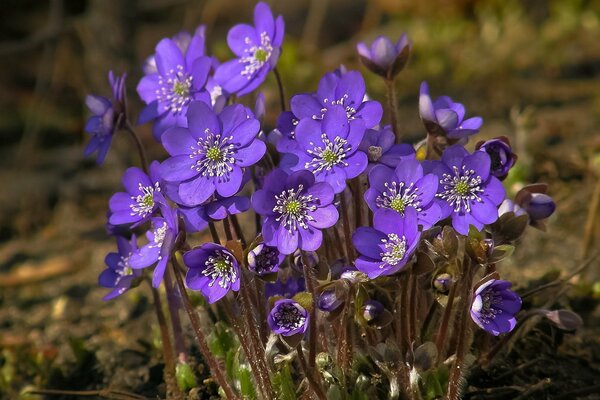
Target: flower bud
[500,154]
[263,259]
[541,206]
[383,57]
[310,256]
[328,301]
[371,310]
[443,282]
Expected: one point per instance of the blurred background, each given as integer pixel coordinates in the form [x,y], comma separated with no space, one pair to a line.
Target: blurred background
[530,68]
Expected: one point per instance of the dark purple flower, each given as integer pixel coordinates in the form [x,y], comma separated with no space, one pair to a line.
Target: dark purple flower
[371,310]
[211,152]
[402,188]
[338,92]
[119,275]
[386,247]
[287,287]
[329,149]
[500,154]
[328,301]
[540,206]
[383,57]
[141,200]
[197,218]
[161,240]
[380,147]
[533,201]
[494,307]
[288,318]
[295,209]
[445,117]
[264,260]
[213,270]
[106,114]
[257,49]
[179,79]
[467,191]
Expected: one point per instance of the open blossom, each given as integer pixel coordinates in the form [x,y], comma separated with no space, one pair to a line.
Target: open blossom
[329,149]
[211,152]
[467,190]
[179,79]
[141,199]
[500,154]
[383,57]
[213,270]
[119,275]
[446,117]
[194,44]
[404,187]
[257,49]
[338,91]
[106,113]
[161,240]
[494,307]
[264,260]
[380,147]
[386,248]
[288,318]
[295,210]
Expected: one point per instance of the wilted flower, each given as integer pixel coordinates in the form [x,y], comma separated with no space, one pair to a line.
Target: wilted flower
[107,113]
[288,318]
[500,154]
[257,48]
[383,57]
[263,259]
[381,149]
[213,270]
[445,117]
[119,275]
[386,247]
[210,153]
[295,210]
[494,307]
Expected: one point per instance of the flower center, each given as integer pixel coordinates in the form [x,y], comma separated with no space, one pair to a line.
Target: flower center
[123,267]
[461,188]
[143,204]
[175,89]
[159,235]
[350,110]
[214,154]
[215,93]
[490,305]
[266,260]
[220,269]
[329,155]
[397,197]
[293,208]
[288,316]
[395,249]
[256,56]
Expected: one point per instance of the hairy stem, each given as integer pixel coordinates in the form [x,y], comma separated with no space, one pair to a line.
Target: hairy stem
[312,382]
[311,286]
[347,228]
[393,107]
[440,340]
[282,101]
[138,143]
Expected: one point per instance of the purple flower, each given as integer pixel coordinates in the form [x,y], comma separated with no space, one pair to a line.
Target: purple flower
[210,153]
[371,310]
[184,41]
[509,206]
[338,92]
[257,49]
[383,57]
[213,270]
[328,301]
[179,79]
[494,307]
[197,218]
[380,147]
[287,287]
[141,200]
[500,154]
[288,318]
[386,247]
[467,191]
[329,149]
[106,114]
[119,275]
[402,188]
[295,210]
[264,260]
[445,117]
[539,206]
[161,240]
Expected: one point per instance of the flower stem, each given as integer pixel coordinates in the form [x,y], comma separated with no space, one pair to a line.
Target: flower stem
[227,229]
[440,340]
[138,143]
[312,382]
[174,304]
[310,280]
[392,107]
[238,229]
[280,87]
[347,232]
[213,232]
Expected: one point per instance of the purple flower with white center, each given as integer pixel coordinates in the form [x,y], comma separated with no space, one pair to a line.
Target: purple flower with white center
[403,188]
[295,209]
[329,149]
[264,260]
[287,287]
[383,57]
[288,318]
[180,79]
[161,240]
[500,154]
[213,270]
[211,152]
[197,218]
[141,199]
[444,117]
[380,147]
[106,114]
[340,92]
[119,275]
[257,49]
[494,307]
[386,248]
[467,190]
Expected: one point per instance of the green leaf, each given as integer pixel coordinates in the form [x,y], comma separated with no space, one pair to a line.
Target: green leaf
[284,384]
[501,252]
[185,377]
[247,386]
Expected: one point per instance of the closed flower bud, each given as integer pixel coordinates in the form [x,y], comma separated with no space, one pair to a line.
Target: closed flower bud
[443,282]
[500,154]
[385,58]
[541,206]
[371,310]
[328,301]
